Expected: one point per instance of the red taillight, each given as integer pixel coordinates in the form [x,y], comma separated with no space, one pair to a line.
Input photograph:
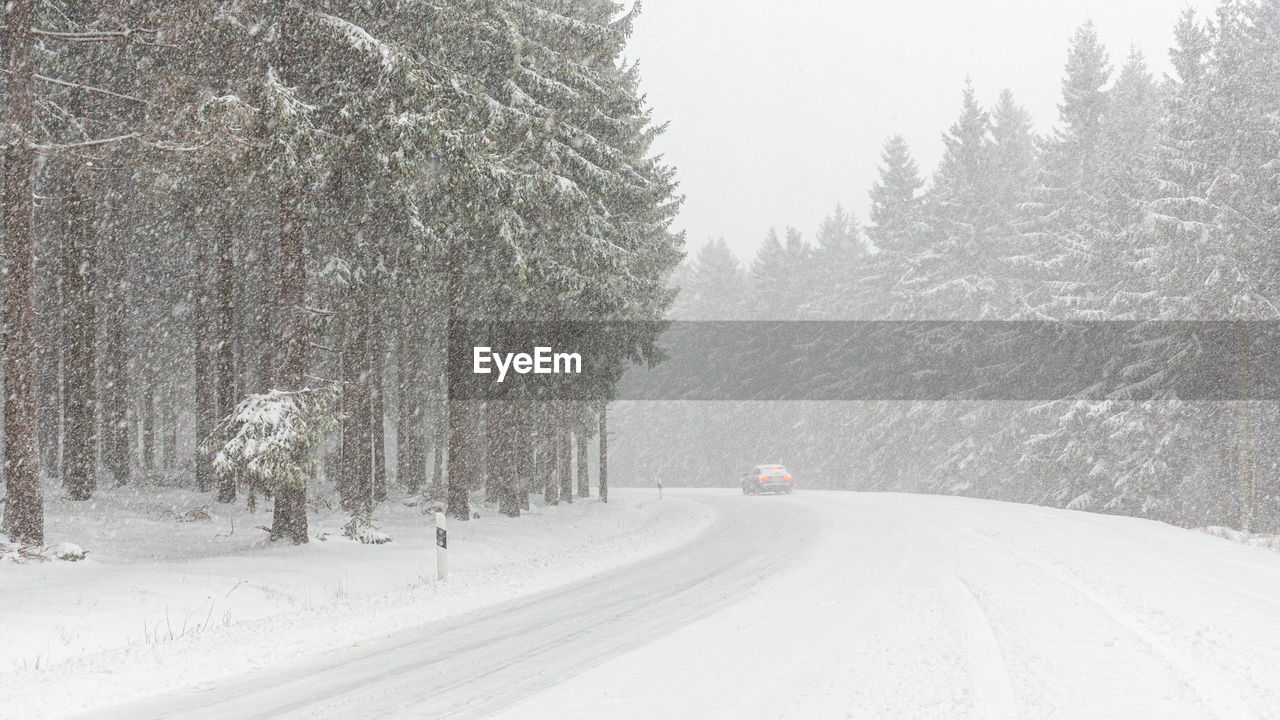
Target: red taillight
[787,478]
[761,478]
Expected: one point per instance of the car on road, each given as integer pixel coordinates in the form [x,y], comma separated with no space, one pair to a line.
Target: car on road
[768,479]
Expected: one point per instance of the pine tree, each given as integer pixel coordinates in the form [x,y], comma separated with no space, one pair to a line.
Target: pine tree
[895,202]
[714,287]
[840,235]
[777,279]
[1014,164]
[1064,234]
[79,360]
[952,275]
[1129,135]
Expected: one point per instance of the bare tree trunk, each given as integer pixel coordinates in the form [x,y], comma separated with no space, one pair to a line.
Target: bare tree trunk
[289,521]
[584,475]
[51,342]
[80,385]
[492,452]
[267,313]
[117,447]
[24,502]
[226,355]
[49,405]
[512,496]
[206,397]
[503,464]
[456,366]
[357,438]
[411,461]
[149,425]
[526,469]
[604,452]
[170,422]
[377,408]
[547,452]
[564,458]
[439,443]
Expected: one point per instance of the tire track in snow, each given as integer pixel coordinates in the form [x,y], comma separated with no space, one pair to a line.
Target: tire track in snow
[1207,684]
[731,582]
[994,698]
[473,665]
[757,702]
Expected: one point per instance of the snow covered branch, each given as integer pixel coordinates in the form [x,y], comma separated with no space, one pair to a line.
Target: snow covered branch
[272,437]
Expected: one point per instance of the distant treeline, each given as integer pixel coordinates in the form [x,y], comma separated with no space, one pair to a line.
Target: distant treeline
[1153,199]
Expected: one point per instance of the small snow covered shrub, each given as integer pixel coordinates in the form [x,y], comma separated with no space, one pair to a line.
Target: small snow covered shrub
[361,529]
[274,437]
[68,551]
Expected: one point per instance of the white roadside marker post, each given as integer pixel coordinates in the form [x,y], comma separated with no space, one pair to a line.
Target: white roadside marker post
[442,548]
[659,488]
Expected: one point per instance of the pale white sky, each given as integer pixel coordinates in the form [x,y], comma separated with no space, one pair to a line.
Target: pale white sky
[779,109]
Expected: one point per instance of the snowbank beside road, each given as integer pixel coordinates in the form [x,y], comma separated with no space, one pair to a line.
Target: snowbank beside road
[161,603]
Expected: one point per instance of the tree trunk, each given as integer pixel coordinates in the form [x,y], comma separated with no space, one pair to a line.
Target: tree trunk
[79,360]
[604,452]
[492,452]
[564,465]
[267,313]
[290,513]
[440,429]
[512,497]
[206,398]
[24,502]
[51,342]
[117,449]
[584,475]
[226,356]
[546,460]
[526,469]
[411,460]
[457,356]
[49,377]
[503,466]
[377,408]
[356,489]
[169,416]
[149,455]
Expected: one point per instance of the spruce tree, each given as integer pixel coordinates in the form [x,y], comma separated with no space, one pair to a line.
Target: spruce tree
[895,200]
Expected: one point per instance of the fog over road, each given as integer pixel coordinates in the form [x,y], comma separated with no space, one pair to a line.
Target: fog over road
[833,605]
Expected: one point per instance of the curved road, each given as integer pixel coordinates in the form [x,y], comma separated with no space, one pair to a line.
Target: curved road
[835,605]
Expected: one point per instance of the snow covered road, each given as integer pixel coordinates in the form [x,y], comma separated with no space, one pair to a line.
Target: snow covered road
[833,605]
[933,607]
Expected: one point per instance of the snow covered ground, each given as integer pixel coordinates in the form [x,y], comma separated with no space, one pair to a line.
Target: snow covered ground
[160,604]
[706,605]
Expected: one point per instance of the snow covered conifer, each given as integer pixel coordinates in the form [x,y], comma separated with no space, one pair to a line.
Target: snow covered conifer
[839,233]
[895,202]
[273,439]
[951,275]
[714,286]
